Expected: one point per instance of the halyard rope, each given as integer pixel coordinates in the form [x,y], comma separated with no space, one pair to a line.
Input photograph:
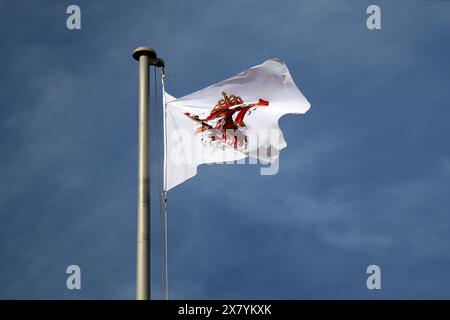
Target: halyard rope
[166,264]
[161,218]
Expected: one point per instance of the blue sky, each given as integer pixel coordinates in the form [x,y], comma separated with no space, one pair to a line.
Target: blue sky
[364,179]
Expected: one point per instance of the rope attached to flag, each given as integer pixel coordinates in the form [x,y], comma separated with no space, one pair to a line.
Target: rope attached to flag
[162,189]
[165,255]
[161,215]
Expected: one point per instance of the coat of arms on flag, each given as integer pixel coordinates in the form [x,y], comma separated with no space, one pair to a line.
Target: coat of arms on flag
[227,116]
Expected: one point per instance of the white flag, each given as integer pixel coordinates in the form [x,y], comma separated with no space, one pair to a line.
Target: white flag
[229,120]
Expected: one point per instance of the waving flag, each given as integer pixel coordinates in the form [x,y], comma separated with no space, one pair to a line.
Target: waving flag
[230,120]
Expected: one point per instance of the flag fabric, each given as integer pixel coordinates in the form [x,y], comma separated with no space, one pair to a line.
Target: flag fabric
[230,120]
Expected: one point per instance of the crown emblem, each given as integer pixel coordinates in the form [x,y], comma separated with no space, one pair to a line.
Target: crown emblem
[228,101]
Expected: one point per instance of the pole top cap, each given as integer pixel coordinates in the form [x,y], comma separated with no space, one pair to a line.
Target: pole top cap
[157,62]
[140,51]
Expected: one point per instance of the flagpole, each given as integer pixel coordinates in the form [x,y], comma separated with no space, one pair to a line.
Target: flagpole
[146,57]
[143,55]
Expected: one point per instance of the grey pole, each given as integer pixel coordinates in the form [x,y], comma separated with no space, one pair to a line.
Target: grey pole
[144,55]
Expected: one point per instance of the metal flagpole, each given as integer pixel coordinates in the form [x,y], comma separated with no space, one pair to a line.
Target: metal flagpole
[146,57]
